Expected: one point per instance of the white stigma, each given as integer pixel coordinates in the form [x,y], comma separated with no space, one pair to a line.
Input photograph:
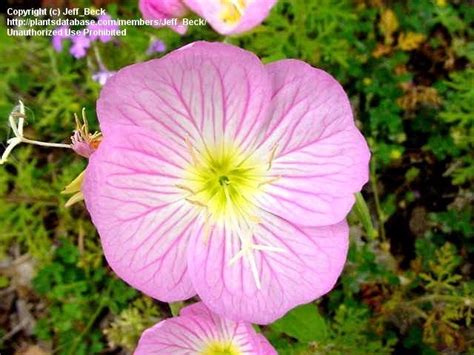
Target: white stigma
[17,128]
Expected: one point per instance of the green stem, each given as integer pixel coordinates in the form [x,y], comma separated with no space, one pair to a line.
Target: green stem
[89,325]
[91,322]
[378,207]
[362,212]
[440,298]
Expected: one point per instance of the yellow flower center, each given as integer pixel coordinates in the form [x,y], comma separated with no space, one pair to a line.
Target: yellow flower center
[224,182]
[221,348]
[232,10]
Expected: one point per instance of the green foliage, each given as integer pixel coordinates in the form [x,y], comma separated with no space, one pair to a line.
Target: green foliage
[303,323]
[76,297]
[401,289]
[310,333]
[126,328]
[305,30]
[458,111]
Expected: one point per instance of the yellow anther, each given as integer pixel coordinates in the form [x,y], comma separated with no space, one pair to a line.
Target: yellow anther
[197,203]
[185,188]
[207,228]
[269,181]
[272,156]
[191,151]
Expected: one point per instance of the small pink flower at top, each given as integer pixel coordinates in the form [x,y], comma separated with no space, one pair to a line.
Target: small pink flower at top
[164,10]
[232,16]
[220,176]
[199,331]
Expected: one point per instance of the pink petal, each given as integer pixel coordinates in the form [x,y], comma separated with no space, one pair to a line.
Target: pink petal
[308,265]
[264,346]
[204,92]
[141,217]
[195,329]
[253,15]
[321,158]
[164,10]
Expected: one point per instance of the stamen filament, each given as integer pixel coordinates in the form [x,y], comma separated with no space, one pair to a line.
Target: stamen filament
[236,257]
[253,267]
[268,248]
[45,144]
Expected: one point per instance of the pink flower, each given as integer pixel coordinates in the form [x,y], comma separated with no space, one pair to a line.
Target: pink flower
[102,76]
[221,176]
[80,44]
[199,331]
[164,10]
[232,16]
[61,34]
[157,46]
[101,28]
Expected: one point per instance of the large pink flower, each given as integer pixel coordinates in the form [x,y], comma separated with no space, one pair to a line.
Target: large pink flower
[163,10]
[232,16]
[199,331]
[221,176]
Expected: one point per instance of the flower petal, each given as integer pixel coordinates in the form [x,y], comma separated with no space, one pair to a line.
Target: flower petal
[320,157]
[306,266]
[204,92]
[252,14]
[195,330]
[164,10]
[141,216]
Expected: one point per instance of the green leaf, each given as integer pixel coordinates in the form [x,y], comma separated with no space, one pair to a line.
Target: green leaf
[4,281]
[303,323]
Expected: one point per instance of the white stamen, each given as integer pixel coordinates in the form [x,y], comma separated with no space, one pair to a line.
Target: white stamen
[268,248]
[236,257]
[253,267]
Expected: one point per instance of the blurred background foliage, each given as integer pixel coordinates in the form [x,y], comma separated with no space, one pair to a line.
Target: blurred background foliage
[406,287]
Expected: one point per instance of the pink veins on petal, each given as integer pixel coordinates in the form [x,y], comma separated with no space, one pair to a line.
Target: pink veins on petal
[220,176]
[199,331]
